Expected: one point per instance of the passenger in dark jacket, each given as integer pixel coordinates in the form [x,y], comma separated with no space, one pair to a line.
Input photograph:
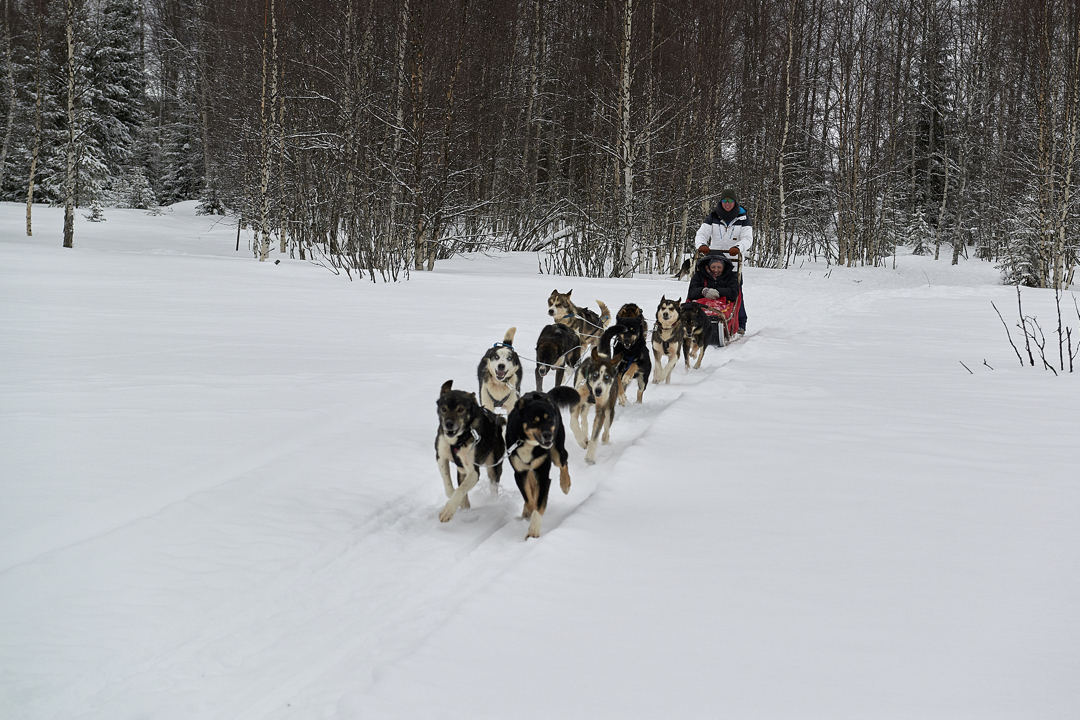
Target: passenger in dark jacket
[716,278]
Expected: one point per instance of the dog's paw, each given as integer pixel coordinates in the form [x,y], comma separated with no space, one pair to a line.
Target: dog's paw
[534,525]
[447,514]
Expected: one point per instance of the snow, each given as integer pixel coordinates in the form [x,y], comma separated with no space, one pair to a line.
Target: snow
[218,497]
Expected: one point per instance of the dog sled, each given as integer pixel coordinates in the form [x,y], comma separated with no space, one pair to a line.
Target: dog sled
[724,316]
[724,313]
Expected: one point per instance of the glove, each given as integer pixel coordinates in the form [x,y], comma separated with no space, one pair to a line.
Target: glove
[703,249]
[711,294]
[734,250]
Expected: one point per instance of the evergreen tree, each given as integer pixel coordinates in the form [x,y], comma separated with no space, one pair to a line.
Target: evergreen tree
[117,105]
[138,193]
[180,178]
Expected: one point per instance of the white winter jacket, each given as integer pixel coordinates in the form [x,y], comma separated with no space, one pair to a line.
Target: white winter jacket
[719,234]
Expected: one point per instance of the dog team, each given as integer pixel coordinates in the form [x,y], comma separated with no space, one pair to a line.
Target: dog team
[604,362]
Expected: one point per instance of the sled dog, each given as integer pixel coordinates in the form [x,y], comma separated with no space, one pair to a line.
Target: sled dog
[586,323]
[499,374]
[537,440]
[630,333]
[598,382]
[557,348]
[696,331]
[469,437]
[667,338]
[688,266]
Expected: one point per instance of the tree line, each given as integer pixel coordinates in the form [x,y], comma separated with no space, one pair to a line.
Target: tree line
[377,136]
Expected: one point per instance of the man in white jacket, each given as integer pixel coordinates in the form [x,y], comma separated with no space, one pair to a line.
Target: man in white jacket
[727,229]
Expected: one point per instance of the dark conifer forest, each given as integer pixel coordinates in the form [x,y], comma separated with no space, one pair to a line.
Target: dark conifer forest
[378,136]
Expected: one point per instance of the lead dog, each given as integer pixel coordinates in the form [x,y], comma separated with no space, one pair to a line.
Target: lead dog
[586,323]
[537,440]
[557,348]
[499,374]
[470,437]
[667,338]
[598,382]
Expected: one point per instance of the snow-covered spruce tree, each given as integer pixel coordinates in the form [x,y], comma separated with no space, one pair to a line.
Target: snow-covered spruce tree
[116,107]
[97,212]
[211,202]
[139,194]
[180,176]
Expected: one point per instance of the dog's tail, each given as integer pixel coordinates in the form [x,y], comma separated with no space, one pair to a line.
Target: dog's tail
[508,338]
[605,314]
[605,339]
[564,396]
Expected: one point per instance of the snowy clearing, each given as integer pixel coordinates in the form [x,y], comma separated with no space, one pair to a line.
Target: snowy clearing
[218,497]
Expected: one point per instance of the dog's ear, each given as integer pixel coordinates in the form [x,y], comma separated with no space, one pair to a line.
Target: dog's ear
[569,291]
[595,354]
[446,387]
[473,396]
[678,300]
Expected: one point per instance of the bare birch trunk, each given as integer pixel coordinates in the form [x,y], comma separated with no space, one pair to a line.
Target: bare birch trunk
[1063,267]
[69,178]
[204,103]
[626,154]
[349,118]
[782,244]
[399,117]
[1047,150]
[36,148]
[279,64]
[268,112]
[420,229]
[944,202]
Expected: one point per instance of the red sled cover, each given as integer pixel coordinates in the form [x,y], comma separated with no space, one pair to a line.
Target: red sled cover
[724,309]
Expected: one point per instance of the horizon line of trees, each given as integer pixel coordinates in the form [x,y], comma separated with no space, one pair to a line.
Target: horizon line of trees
[377,136]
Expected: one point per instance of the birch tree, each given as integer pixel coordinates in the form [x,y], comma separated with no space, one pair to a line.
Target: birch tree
[69,179]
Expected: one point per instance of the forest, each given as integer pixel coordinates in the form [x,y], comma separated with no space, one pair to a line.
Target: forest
[378,136]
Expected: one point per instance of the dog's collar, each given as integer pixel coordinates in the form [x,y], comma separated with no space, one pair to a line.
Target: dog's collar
[504,344]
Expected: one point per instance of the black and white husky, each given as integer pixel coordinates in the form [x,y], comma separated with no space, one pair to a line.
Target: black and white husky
[469,437]
[667,338]
[499,374]
[599,384]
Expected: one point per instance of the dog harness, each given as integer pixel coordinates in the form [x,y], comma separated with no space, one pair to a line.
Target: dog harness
[499,403]
[456,448]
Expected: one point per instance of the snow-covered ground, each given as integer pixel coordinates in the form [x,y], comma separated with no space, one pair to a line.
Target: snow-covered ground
[218,498]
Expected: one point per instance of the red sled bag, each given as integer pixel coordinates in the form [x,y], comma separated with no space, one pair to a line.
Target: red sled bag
[726,312]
